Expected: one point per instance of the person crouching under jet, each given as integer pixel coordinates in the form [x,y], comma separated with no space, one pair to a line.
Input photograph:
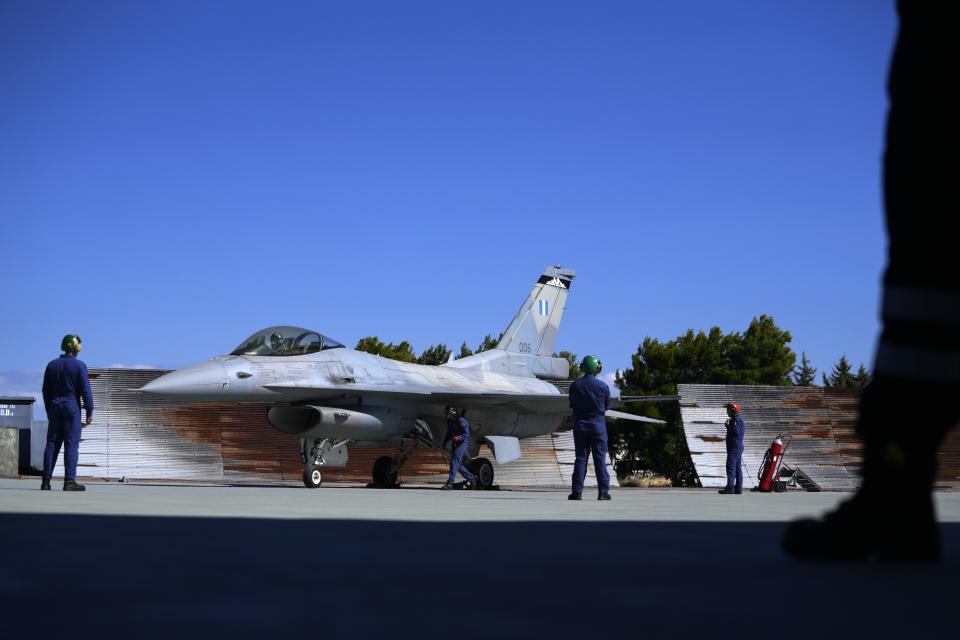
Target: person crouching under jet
[458,432]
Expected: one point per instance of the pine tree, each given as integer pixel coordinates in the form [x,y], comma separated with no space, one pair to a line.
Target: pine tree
[841,376]
[437,354]
[761,355]
[489,342]
[805,374]
[464,351]
[370,344]
[402,352]
[373,344]
[863,377]
[574,370]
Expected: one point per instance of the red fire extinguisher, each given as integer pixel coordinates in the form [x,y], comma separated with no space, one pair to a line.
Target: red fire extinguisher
[770,469]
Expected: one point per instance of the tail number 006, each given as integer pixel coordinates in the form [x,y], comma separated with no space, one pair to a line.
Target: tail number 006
[524,347]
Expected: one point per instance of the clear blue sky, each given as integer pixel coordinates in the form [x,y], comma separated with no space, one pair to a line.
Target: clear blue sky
[176,175]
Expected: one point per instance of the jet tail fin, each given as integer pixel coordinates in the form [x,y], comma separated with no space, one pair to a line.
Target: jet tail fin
[526,347]
[534,328]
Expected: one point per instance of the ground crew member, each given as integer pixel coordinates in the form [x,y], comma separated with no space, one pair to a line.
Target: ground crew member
[458,432]
[65,383]
[892,517]
[590,400]
[735,431]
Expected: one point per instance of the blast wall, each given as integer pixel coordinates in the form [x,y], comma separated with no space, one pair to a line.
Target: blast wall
[137,436]
[821,422]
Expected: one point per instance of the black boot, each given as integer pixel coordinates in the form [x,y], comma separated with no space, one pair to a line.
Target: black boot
[71,485]
[891,518]
[845,535]
[574,496]
[45,484]
[604,496]
[890,528]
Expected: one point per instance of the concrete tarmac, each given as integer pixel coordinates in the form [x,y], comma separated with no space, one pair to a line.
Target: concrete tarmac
[165,561]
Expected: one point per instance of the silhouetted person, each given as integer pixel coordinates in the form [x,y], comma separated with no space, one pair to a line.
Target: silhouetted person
[912,401]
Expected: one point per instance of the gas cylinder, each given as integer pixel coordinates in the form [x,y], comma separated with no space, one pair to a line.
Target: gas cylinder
[770,464]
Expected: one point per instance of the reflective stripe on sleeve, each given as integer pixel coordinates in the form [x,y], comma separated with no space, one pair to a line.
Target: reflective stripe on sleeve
[923,305]
[916,363]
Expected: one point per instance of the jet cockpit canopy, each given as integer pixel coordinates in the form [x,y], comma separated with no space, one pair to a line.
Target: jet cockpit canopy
[285,341]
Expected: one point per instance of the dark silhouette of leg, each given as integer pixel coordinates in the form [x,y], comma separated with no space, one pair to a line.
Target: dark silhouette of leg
[910,404]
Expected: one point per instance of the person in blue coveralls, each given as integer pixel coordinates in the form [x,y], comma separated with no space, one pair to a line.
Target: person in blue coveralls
[66,389]
[458,432]
[735,430]
[590,400]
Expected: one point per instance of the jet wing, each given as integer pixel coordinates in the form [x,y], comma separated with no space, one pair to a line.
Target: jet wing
[619,415]
[406,392]
[554,404]
[524,403]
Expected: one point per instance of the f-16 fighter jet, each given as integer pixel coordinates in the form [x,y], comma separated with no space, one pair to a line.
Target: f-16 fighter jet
[330,396]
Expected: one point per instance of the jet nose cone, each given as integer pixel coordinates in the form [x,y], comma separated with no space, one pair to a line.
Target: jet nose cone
[194,382]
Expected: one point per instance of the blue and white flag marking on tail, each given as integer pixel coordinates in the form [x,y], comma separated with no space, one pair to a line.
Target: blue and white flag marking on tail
[543,307]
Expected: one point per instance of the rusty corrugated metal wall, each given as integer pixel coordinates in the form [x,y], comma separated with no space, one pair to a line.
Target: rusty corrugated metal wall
[142,437]
[821,422]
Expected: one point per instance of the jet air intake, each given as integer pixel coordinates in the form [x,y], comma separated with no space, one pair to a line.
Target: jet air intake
[311,421]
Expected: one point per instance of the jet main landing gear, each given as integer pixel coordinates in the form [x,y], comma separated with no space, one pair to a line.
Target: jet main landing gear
[482,471]
[386,470]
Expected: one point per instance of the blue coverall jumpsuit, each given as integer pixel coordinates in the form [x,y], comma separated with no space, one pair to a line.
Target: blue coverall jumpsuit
[459,431]
[65,383]
[590,399]
[735,429]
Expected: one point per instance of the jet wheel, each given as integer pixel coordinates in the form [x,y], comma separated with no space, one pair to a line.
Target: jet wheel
[385,472]
[312,478]
[482,470]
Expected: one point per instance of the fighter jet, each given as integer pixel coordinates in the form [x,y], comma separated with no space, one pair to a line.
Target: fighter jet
[329,396]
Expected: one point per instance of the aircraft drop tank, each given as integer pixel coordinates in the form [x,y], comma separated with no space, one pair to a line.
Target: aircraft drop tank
[310,421]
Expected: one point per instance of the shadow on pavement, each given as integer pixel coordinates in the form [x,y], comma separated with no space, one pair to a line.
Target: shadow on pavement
[152,577]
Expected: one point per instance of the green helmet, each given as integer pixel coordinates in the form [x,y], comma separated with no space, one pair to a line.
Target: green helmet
[591,365]
[450,410]
[70,343]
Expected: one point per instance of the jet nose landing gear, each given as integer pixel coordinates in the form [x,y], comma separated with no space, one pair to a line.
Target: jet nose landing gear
[318,453]
[312,476]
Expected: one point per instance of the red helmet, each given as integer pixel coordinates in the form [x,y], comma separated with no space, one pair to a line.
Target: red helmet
[736,407]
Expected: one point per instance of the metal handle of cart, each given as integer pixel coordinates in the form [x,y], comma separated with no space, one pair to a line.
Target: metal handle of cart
[783,454]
